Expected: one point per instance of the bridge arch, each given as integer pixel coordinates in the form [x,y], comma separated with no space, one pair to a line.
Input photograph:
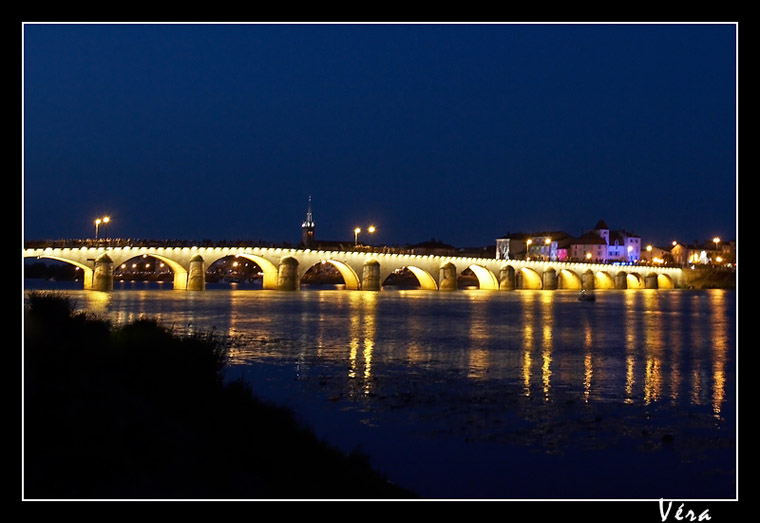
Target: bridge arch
[528,278]
[567,279]
[665,282]
[603,280]
[75,263]
[634,281]
[351,280]
[425,279]
[487,280]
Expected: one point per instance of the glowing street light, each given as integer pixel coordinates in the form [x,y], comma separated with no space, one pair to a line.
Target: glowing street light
[98,221]
[356,235]
[527,249]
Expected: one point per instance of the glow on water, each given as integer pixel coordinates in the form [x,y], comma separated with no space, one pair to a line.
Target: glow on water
[528,369]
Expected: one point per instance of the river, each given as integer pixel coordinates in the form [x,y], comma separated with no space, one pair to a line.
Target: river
[486,395]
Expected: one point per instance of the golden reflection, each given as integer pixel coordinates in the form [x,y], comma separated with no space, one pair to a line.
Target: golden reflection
[630,378]
[370,312]
[546,359]
[697,339]
[527,360]
[97,301]
[353,343]
[235,354]
[653,346]
[631,343]
[362,336]
[479,335]
[546,353]
[652,380]
[588,369]
[588,373]
[719,349]
[696,387]
[675,347]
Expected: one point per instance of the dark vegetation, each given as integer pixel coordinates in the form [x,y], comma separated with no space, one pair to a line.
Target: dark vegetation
[138,412]
[709,278]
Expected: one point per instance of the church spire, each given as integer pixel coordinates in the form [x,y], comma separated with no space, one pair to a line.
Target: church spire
[307,227]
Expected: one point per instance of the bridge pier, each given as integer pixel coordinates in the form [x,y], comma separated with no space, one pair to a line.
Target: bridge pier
[448,277]
[371,276]
[650,281]
[621,280]
[588,281]
[196,276]
[287,275]
[549,280]
[102,277]
[507,278]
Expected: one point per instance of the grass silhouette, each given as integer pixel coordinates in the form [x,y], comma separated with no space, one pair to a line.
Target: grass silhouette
[139,412]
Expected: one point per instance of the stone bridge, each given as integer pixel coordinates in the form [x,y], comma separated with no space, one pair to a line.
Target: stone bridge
[283,268]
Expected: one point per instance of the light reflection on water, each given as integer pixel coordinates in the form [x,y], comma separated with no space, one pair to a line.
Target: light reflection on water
[523,366]
[642,346]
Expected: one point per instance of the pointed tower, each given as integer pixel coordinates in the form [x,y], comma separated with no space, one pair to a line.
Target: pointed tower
[307,228]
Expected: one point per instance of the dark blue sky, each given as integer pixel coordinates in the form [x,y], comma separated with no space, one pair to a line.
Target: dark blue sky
[458,132]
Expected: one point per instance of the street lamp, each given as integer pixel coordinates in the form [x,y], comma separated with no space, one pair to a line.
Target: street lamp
[356,235]
[98,221]
[717,241]
[527,249]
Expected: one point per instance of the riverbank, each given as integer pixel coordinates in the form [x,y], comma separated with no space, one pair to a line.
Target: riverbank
[709,278]
[138,412]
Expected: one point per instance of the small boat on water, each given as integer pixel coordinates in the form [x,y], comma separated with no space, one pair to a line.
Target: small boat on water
[587,296]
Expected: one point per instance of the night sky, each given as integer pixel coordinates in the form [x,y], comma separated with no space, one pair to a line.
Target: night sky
[450,131]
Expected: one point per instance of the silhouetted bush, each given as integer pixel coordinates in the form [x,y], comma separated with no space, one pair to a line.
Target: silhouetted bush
[137,411]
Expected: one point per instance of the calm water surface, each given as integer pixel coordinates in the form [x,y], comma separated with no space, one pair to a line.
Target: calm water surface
[477,394]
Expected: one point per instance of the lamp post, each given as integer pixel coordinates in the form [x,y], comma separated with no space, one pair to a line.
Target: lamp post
[717,241]
[527,249]
[356,236]
[98,221]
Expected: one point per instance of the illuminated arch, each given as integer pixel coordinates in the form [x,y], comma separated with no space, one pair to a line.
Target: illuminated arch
[427,281]
[604,280]
[66,260]
[424,278]
[87,272]
[530,279]
[665,282]
[269,279]
[486,279]
[634,281]
[350,278]
[567,279]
